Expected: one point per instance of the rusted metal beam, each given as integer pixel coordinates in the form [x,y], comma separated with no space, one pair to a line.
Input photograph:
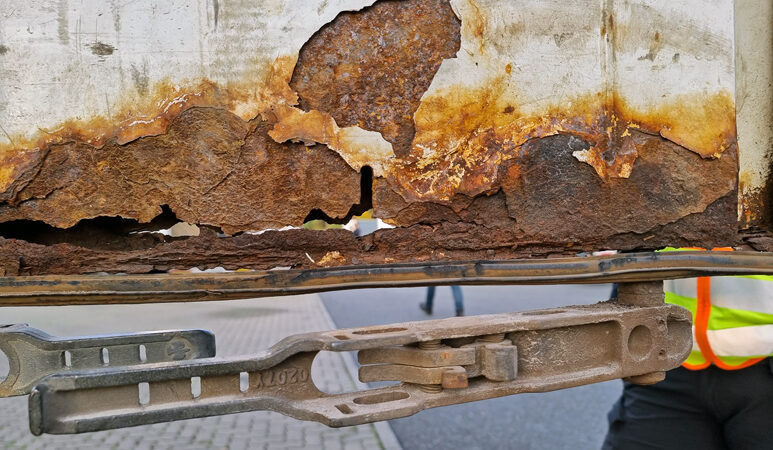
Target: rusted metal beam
[634,267]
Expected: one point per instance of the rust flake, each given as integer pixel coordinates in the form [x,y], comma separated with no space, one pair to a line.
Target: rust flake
[356,146]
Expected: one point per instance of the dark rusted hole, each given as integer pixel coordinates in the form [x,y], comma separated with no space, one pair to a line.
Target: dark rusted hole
[344,409]
[366,201]
[543,313]
[342,337]
[380,330]
[640,342]
[381,398]
[99,233]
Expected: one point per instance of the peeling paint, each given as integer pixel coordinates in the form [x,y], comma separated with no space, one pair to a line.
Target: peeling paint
[356,146]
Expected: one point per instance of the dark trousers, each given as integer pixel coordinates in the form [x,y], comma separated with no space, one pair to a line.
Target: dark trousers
[456,291]
[705,409]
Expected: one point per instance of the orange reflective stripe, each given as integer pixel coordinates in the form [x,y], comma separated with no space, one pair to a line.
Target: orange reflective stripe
[701,324]
[696,366]
[702,312]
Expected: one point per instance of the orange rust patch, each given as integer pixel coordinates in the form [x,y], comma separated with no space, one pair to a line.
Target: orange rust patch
[136,117]
[463,138]
[334,258]
[464,135]
[753,206]
[704,124]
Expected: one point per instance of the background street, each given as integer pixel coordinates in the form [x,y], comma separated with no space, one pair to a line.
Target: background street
[569,419]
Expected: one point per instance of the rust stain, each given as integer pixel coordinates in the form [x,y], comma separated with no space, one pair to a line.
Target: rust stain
[135,117]
[754,206]
[702,123]
[333,258]
[464,136]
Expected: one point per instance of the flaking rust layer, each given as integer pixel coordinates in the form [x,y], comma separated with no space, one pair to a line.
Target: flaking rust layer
[512,129]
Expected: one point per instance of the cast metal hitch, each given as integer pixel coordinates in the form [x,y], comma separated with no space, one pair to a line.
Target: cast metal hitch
[34,354]
[467,359]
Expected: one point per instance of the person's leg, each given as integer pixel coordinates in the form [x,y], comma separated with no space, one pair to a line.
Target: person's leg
[427,305]
[458,300]
[744,402]
[667,415]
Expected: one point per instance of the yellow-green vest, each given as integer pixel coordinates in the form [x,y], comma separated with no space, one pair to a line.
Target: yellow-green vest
[732,319]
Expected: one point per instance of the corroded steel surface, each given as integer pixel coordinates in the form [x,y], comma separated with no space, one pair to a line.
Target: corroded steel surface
[493,130]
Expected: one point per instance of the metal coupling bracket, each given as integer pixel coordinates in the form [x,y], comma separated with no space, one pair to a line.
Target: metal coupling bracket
[431,363]
[535,351]
[34,354]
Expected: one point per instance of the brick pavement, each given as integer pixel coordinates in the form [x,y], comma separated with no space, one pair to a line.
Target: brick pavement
[241,327]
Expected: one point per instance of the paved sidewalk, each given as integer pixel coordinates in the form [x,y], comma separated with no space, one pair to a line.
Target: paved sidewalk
[240,327]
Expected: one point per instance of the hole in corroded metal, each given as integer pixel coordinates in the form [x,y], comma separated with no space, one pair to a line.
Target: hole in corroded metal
[142,353]
[105,357]
[100,233]
[381,398]
[365,204]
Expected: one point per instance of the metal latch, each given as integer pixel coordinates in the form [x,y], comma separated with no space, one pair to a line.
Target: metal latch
[433,365]
[34,354]
[536,351]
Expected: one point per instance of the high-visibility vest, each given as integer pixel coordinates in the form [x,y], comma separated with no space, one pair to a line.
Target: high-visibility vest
[732,319]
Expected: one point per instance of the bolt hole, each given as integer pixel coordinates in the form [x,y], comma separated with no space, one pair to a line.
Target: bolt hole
[244,381]
[144,393]
[143,353]
[67,358]
[5,366]
[640,342]
[381,398]
[379,331]
[196,387]
[105,357]
[344,409]
[545,312]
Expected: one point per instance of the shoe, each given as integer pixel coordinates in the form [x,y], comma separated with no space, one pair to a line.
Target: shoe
[423,307]
[459,312]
